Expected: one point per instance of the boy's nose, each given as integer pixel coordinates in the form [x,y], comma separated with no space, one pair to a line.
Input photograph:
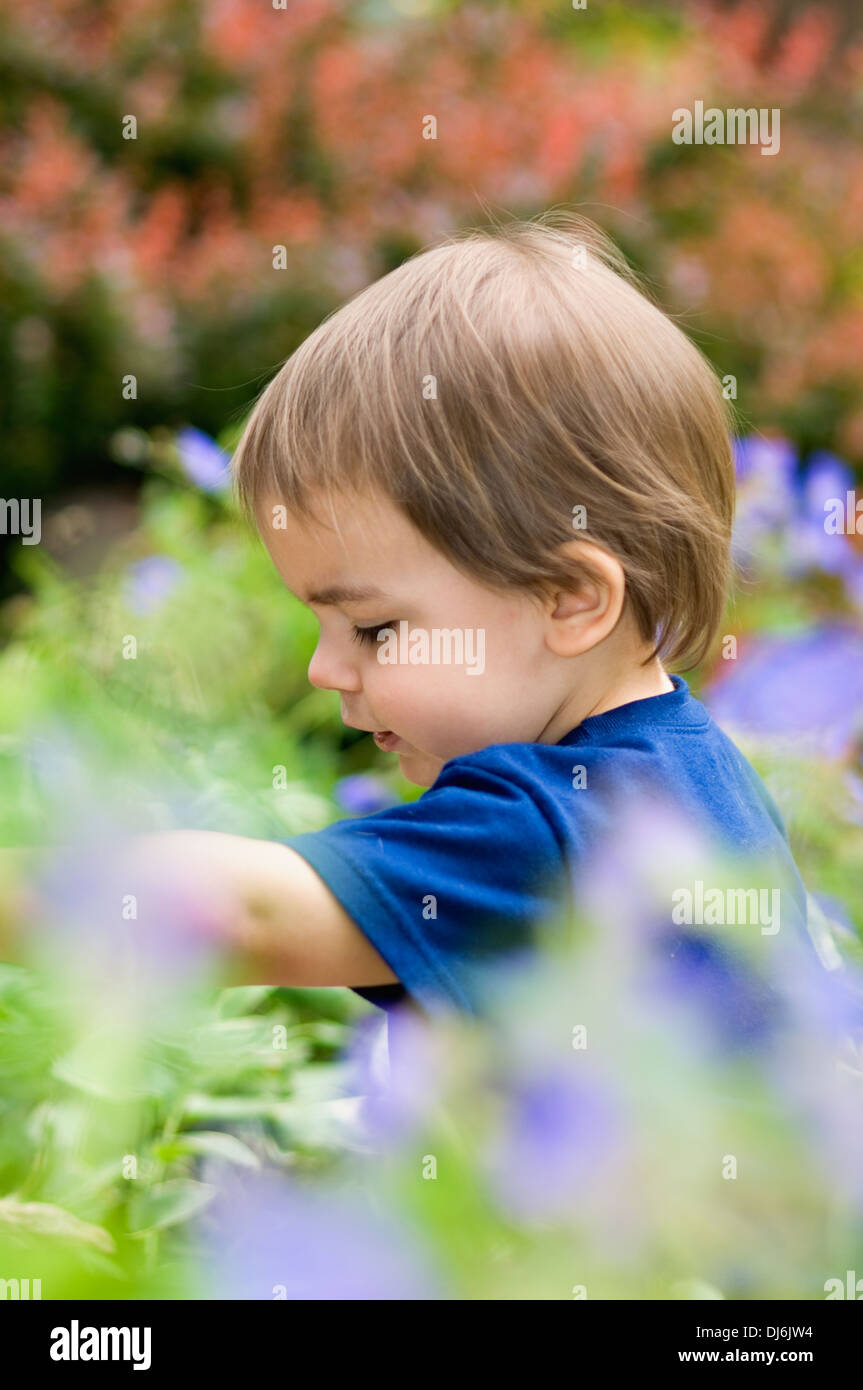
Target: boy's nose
[328,673]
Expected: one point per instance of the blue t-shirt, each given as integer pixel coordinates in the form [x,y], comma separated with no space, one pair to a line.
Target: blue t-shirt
[450,885]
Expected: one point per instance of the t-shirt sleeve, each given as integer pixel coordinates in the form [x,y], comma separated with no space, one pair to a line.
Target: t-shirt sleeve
[446,886]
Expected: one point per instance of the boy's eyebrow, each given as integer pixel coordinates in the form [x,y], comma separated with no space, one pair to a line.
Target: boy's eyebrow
[344,593]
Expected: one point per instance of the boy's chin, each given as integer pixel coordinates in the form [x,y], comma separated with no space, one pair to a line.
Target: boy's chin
[420,768]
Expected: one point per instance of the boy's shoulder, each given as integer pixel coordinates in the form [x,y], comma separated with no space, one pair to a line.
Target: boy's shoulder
[637,742]
[663,749]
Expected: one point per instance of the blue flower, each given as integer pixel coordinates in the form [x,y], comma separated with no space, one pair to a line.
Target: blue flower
[756,456]
[398,1066]
[267,1236]
[562,1127]
[363,793]
[739,1011]
[204,463]
[767,493]
[150,581]
[809,544]
[806,685]
[826,477]
[781,512]
[819,1069]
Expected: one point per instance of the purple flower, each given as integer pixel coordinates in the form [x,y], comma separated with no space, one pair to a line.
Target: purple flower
[204,463]
[810,547]
[149,582]
[563,1126]
[807,686]
[770,459]
[363,793]
[826,477]
[808,542]
[835,911]
[819,1069]
[398,1065]
[267,1237]
[781,512]
[739,1011]
[767,498]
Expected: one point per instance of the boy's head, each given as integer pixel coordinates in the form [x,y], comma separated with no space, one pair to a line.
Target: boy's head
[524,455]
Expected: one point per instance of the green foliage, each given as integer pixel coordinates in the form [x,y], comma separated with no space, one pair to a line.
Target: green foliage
[104,1129]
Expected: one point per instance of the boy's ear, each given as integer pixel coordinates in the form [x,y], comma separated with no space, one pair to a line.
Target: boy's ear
[581,616]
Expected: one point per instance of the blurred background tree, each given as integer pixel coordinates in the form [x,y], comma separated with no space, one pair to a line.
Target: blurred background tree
[302,127]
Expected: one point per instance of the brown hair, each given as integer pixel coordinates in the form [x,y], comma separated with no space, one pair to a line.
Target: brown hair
[493,383]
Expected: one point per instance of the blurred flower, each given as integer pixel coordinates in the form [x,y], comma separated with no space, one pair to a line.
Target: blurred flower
[764,459]
[739,1011]
[827,1003]
[149,582]
[766,497]
[780,513]
[266,1237]
[688,978]
[204,462]
[836,912]
[819,1069]
[807,685]
[398,1065]
[809,547]
[826,477]
[562,1127]
[808,543]
[362,793]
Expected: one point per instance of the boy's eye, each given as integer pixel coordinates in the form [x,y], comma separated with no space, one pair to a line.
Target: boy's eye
[370,634]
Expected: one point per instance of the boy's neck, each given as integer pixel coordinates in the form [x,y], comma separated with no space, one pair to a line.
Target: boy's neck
[607,694]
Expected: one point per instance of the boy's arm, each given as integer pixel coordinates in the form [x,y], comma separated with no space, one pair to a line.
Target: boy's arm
[276,921]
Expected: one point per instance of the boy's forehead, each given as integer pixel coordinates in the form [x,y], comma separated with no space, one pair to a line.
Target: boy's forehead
[358,549]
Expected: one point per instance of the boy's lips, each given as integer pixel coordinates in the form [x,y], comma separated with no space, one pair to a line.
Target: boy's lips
[386,739]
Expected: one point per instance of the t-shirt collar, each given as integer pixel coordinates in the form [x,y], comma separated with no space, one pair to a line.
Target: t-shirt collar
[676,708]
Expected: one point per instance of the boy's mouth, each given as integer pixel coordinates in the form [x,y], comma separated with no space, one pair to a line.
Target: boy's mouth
[386,740]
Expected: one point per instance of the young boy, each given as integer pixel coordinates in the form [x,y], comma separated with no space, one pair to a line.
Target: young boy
[502,480]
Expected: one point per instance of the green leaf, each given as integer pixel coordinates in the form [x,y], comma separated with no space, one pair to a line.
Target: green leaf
[218,1145]
[41,1218]
[109,1065]
[324,1031]
[166,1205]
[233,1003]
[200,1106]
[230,1040]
